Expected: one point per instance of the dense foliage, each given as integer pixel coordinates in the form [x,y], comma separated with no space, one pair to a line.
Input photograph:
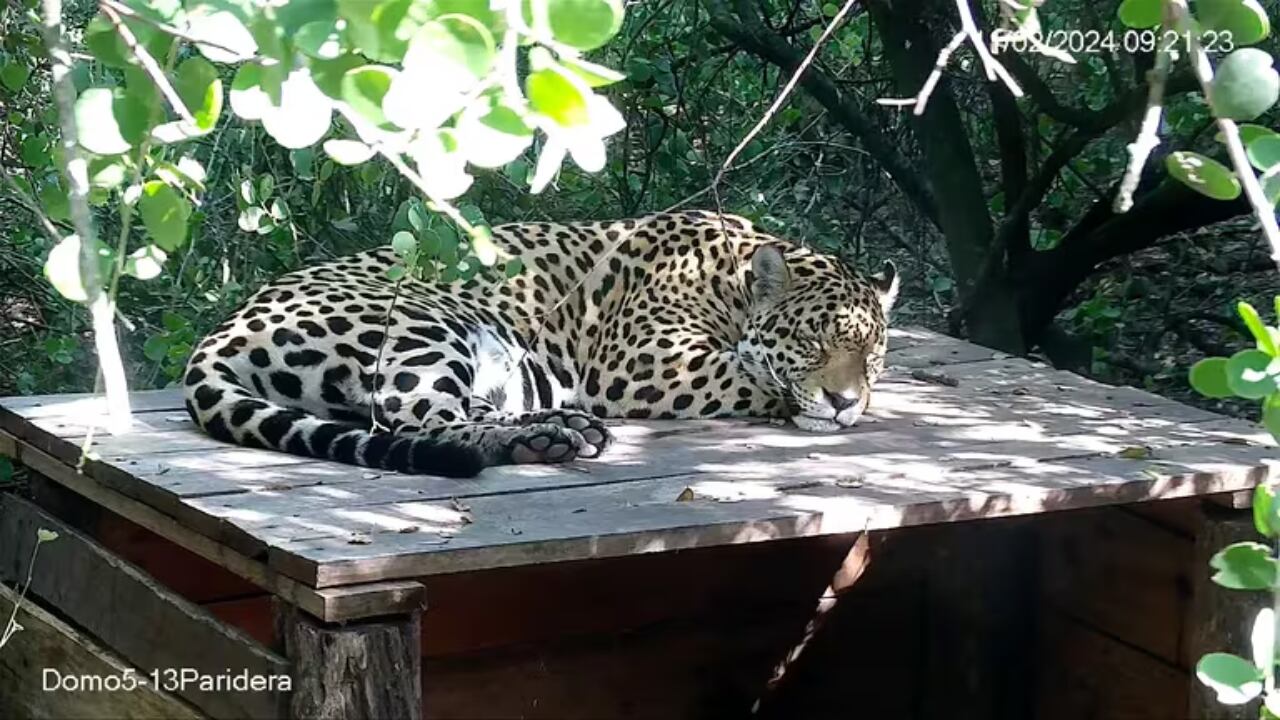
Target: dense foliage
[999,210]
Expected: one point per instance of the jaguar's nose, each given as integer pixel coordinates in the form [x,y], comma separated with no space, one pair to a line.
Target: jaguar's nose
[838,400]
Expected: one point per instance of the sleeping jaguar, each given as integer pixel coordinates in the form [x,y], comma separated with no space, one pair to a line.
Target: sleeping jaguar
[693,316]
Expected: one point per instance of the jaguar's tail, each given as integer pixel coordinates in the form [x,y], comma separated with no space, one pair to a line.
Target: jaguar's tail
[224,408]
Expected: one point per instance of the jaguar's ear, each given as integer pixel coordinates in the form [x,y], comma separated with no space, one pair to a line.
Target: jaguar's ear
[886,282]
[770,276]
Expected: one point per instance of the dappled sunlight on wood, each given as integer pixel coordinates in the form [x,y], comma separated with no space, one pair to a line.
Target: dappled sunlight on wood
[954,432]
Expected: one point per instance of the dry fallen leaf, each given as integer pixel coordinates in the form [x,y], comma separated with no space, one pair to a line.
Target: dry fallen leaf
[407,529]
[359,539]
[685,495]
[1135,452]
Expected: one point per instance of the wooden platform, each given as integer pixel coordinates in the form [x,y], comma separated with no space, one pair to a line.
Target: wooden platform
[955,432]
[552,596]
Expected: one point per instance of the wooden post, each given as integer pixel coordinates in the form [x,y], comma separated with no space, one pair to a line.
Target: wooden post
[1221,619]
[358,671]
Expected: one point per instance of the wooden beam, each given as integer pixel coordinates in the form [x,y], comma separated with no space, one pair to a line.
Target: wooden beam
[144,622]
[356,671]
[335,604]
[44,666]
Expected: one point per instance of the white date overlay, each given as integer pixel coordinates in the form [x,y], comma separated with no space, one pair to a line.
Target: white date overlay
[1094,41]
[175,680]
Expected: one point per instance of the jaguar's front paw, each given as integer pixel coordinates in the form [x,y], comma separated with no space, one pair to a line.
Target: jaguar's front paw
[594,432]
[549,442]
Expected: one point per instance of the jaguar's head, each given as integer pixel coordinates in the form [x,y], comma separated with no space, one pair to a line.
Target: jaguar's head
[817,334]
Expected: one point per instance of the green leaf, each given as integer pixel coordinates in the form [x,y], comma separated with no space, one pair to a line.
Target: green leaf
[512,267]
[1245,85]
[14,75]
[452,44]
[347,152]
[96,122]
[249,100]
[396,273]
[234,42]
[200,89]
[1252,374]
[1271,415]
[62,269]
[319,39]
[1244,20]
[1209,378]
[404,243]
[106,172]
[492,137]
[145,263]
[363,89]
[303,115]
[1235,680]
[1264,151]
[1257,328]
[1244,566]
[164,213]
[105,44]
[53,198]
[156,348]
[379,30]
[34,151]
[1140,14]
[327,74]
[1248,133]
[584,24]
[1264,511]
[554,94]
[592,74]
[1204,175]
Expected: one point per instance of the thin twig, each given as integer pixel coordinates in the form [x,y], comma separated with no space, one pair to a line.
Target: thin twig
[76,169]
[992,66]
[168,29]
[148,63]
[921,100]
[28,202]
[1148,137]
[785,93]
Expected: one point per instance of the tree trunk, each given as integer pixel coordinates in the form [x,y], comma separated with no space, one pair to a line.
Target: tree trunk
[991,315]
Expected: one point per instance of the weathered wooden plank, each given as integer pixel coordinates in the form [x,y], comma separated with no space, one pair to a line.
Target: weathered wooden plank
[145,623]
[1085,674]
[423,538]
[927,464]
[44,668]
[398,597]
[141,401]
[1120,574]
[360,671]
[732,453]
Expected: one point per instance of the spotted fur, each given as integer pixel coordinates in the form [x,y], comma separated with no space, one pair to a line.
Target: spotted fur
[682,321]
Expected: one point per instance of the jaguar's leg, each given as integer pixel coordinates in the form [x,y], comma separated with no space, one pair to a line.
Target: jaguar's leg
[543,438]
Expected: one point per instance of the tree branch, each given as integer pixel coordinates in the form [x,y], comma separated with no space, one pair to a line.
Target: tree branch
[76,169]
[773,49]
